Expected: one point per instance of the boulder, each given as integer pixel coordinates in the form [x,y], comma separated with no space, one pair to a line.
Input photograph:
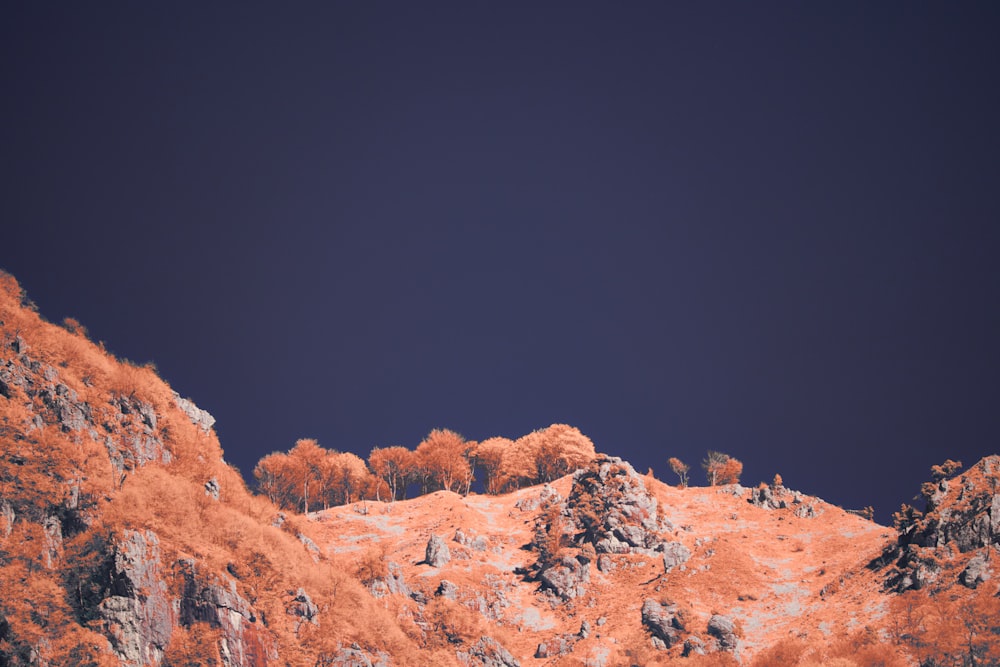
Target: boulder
[724,630]
[567,578]
[976,571]
[663,621]
[437,553]
[675,554]
[767,497]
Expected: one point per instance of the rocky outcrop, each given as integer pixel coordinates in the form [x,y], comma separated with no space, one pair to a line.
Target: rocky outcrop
[213,599]
[768,497]
[675,554]
[693,646]
[487,652]
[302,608]
[567,577]
[963,516]
[612,509]
[55,403]
[437,553]
[200,418]
[6,518]
[976,571]
[723,629]
[136,609]
[663,620]
[132,439]
[393,583]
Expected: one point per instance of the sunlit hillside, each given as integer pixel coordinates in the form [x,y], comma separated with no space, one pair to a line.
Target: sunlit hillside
[125,539]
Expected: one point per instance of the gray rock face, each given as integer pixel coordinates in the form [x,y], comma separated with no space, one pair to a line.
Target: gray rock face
[212,488]
[57,404]
[767,497]
[132,440]
[724,630]
[675,554]
[200,418]
[136,610]
[53,541]
[303,608]
[487,652]
[605,564]
[437,553]
[806,511]
[693,646]
[609,503]
[394,583]
[567,578]
[214,599]
[663,621]
[976,571]
[6,518]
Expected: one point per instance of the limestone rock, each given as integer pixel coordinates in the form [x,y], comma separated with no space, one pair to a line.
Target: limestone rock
[487,652]
[663,621]
[767,497]
[437,553]
[200,418]
[214,599]
[393,583]
[675,554]
[805,511]
[136,609]
[610,505]
[693,646]
[6,518]
[724,630]
[567,578]
[976,571]
[303,608]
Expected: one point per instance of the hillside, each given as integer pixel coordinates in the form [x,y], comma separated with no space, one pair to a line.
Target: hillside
[125,539]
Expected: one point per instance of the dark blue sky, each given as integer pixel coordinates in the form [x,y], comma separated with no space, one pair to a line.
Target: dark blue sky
[767,229]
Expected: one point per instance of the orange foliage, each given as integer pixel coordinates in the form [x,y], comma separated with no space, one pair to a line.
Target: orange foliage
[443,461]
[680,469]
[395,465]
[721,468]
[489,457]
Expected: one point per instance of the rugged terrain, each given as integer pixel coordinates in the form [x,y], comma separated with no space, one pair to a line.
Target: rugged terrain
[125,539]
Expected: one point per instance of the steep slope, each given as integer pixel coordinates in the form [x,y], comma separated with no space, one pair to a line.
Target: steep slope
[126,540]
